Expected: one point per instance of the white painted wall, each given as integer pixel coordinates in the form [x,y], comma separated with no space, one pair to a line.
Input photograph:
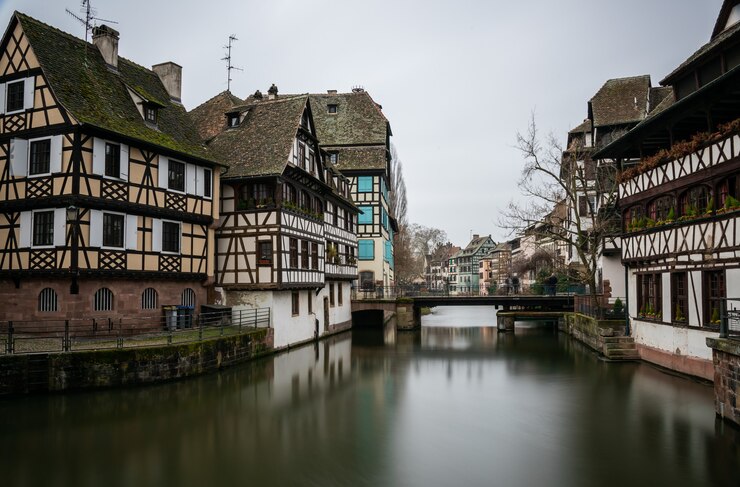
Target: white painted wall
[671,339]
[612,269]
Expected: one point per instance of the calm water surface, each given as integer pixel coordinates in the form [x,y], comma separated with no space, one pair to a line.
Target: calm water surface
[453,405]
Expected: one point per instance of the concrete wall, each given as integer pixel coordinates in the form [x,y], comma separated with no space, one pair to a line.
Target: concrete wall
[677,348]
[53,372]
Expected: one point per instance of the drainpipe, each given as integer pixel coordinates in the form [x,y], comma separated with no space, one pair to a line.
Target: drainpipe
[627,301]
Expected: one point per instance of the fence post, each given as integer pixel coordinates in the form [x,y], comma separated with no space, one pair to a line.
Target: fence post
[723,325]
[9,345]
[65,340]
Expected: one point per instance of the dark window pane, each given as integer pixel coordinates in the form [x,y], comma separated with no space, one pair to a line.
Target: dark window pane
[43,228]
[40,157]
[170,237]
[113,160]
[15,96]
[112,230]
[176,176]
[264,255]
[207,183]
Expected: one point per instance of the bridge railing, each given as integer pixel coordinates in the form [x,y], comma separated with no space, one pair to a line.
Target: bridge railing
[730,318]
[600,306]
[400,291]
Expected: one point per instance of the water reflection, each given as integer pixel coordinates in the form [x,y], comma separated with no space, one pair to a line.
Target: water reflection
[444,406]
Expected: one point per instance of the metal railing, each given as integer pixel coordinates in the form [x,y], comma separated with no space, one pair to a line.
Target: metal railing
[600,307]
[22,337]
[729,326]
[393,292]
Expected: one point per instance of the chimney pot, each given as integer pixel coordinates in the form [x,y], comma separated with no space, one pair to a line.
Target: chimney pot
[476,236]
[331,92]
[106,40]
[171,76]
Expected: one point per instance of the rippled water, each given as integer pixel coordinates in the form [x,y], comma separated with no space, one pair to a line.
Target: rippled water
[453,404]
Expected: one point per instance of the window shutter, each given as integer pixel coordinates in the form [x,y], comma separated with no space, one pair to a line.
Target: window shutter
[156,235]
[2,97]
[98,156]
[55,161]
[29,92]
[124,162]
[163,172]
[24,237]
[200,182]
[60,227]
[132,231]
[19,157]
[96,228]
[190,178]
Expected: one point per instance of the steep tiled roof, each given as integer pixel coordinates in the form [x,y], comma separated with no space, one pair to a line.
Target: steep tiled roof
[94,95]
[260,145]
[703,52]
[358,120]
[209,117]
[621,101]
[476,244]
[362,157]
[585,126]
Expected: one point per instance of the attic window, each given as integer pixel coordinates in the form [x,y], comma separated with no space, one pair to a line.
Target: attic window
[150,114]
[332,108]
[333,157]
[232,119]
[15,96]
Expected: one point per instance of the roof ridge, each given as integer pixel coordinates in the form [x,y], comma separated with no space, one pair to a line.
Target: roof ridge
[212,98]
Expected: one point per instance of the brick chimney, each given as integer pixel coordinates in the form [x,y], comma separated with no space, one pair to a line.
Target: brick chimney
[476,236]
[171,76]
[106,40]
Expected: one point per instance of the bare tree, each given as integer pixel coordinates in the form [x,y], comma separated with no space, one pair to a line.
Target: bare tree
[426,240]
[398,203]
[553,176]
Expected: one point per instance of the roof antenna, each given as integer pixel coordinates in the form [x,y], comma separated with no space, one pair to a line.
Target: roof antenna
[229,67]
[87,9]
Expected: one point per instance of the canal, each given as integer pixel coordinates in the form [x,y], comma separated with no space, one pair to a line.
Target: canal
[455,404]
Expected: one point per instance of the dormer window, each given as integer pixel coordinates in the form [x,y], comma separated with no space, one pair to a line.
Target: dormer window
[150,114]
[232,119]
[332,108]
[333,157]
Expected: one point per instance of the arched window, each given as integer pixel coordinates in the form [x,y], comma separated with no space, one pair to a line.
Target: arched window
[288,193]
[660,207]
[149,298]
[48,300]
[188,297]
[694,201]
[633,217]
[103,299]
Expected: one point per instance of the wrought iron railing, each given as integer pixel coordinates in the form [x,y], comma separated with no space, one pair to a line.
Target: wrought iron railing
[730,318]
[600,306]
[20,337]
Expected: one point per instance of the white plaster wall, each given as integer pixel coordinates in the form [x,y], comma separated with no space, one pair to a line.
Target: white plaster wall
[632,302]
[337,314]
[732,277]
[680,341]
[290,329]
[613,270]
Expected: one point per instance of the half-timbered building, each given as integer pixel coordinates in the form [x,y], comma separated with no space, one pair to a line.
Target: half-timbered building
[286,238]
[679,191]
[356,134]
[106,190]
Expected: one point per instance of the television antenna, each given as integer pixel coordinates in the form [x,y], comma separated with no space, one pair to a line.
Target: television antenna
[90,17]
[227,58]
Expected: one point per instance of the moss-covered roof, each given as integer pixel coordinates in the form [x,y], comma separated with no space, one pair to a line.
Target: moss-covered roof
[260,145]
[96,96]
[358,119]
[210,116]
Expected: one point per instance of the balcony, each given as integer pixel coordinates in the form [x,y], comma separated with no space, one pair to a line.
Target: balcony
[340,267]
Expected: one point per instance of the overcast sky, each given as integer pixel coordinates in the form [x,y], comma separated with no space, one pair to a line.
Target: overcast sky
[457,79]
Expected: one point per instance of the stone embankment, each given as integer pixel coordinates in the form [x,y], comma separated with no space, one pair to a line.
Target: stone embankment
[604,336]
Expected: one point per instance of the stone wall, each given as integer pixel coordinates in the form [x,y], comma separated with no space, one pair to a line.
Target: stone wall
[726,359]
[604,336]
[54,372]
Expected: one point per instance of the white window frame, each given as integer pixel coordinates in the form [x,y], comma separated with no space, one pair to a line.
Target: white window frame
[161,237]
[185,176]
[99,159]
[102,230]
[7,86]
[202,183]
[55,227]
[28,157]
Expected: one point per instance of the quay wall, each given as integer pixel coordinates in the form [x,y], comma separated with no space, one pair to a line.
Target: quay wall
[56,372]
[726,361]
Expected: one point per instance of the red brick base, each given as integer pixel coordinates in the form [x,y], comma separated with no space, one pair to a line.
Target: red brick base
[22,303]
[680,363]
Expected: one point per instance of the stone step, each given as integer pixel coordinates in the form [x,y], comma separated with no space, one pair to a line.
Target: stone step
[622,354]
[619,339]
[620,345]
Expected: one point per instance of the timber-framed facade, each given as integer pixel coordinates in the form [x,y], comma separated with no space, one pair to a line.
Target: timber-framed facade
[109,215]
[678,195]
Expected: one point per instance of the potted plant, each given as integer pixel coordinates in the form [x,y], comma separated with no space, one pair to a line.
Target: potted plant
[679,314]
[332,252]
[671,217]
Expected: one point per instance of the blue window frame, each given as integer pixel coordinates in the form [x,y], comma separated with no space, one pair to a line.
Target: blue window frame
[366,249]
[384,188]
[388,251]
[384,216]
[365,216]
[365,184]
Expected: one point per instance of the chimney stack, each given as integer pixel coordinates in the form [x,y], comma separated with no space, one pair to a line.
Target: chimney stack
[272,93]
[106,40]
[171,76]
[476,236]
[331,92]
